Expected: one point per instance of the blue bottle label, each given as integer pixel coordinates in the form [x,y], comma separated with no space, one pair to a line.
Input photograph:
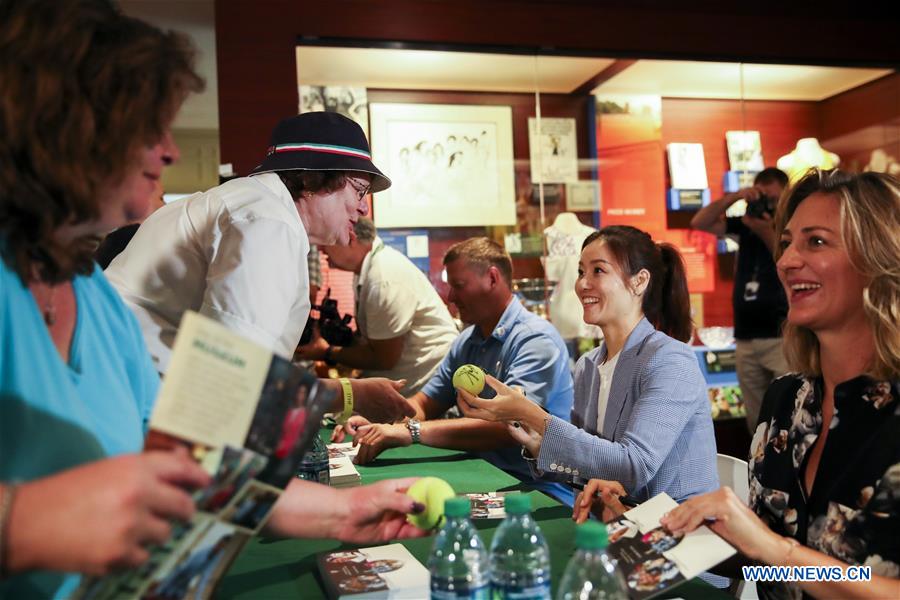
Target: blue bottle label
[539,591]
[439,591]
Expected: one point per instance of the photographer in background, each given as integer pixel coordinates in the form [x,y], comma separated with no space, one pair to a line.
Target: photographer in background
[405,328]
[759,303]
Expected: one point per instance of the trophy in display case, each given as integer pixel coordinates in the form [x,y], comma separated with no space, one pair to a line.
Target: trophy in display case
[533,294]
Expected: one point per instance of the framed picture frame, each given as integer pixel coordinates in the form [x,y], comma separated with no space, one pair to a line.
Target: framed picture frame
[450,165]
[583,196]
[554,150]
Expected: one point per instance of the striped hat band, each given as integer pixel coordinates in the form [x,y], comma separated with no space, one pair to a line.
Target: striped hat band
[323,148]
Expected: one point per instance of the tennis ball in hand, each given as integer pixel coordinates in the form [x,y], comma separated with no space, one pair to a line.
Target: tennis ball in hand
[469,378]
[432,492]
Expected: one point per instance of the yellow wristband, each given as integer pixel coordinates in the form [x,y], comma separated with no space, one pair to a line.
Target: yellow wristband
[348,400]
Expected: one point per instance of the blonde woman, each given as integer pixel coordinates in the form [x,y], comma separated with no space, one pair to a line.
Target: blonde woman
[825,457]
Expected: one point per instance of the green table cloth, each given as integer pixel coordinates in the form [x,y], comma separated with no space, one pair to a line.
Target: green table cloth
[270,568]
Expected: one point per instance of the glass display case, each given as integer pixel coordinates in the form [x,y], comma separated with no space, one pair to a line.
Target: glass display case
[511,144]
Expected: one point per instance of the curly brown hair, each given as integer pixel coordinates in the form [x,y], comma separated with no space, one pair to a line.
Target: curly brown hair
[84,89]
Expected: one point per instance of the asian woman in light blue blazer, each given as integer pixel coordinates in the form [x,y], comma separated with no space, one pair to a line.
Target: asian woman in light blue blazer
[641,416]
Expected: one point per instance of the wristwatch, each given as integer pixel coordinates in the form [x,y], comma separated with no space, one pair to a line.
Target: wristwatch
[415,430]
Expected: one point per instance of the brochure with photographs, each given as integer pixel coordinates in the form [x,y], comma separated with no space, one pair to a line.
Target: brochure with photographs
[248,417]
[652,559]
[378,572]
[488,505]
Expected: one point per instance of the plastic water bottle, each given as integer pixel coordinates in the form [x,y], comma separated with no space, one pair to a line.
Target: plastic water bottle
[314,464]
[520,559]
[591,574]
[459,561]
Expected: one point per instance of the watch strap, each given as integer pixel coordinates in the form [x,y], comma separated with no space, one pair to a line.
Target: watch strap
[415,430]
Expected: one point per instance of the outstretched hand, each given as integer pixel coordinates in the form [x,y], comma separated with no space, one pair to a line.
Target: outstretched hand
[600,497]
[375,438]
[351,427]
[103,515]
[507,406]
[379,399]
[377,513]
[525,436]
[315,348]
[727,515]
[366,514]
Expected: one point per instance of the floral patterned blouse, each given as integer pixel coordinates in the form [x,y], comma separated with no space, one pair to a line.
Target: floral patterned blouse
[853,513]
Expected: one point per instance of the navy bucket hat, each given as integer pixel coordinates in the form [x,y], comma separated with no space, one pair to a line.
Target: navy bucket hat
[321,141]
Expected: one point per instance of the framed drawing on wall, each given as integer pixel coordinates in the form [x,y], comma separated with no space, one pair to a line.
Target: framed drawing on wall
[451,165]
[554,150]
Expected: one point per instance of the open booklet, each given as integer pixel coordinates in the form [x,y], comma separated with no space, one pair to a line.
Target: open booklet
[248,417]
[652,559]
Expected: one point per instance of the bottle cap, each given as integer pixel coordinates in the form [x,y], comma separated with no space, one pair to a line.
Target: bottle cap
[458,506]
[518,504]
[591,536]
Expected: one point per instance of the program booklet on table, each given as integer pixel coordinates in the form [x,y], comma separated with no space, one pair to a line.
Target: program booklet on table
[651,559]
[248,417]
[341,469]
[377,572]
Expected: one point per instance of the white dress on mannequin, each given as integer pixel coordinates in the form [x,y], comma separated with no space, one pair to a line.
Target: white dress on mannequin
[808,153]
[564,239]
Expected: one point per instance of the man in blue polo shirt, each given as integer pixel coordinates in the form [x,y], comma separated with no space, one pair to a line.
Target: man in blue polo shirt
[505,340]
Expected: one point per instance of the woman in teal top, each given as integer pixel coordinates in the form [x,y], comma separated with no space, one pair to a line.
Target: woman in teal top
[85,107]
[87,100]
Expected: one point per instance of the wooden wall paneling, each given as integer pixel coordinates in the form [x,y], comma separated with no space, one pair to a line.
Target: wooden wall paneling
[255,41]
[780,123]
[871,104]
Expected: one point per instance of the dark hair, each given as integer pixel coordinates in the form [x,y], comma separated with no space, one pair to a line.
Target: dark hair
[666,302]
[482,253]
[771,175]
[298,181]
[84,88]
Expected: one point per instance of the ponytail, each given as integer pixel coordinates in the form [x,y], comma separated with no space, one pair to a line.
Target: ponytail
[674,306]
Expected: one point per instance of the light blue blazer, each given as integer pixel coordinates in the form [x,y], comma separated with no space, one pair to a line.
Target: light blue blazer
[658,432]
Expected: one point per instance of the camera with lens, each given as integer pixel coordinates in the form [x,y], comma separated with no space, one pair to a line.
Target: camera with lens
[332,327]
[761,206]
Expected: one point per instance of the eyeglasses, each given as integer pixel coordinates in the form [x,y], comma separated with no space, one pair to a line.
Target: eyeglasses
[361,188]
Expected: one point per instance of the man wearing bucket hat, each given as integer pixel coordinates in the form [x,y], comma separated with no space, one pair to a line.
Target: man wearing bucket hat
[237,253]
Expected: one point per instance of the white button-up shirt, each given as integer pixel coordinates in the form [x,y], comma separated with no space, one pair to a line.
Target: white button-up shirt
[236,254]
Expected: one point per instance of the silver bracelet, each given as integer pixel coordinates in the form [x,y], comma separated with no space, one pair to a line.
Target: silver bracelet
[6,502]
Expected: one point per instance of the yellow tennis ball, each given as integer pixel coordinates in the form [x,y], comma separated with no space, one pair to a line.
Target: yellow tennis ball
[432,492]
[469,378]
